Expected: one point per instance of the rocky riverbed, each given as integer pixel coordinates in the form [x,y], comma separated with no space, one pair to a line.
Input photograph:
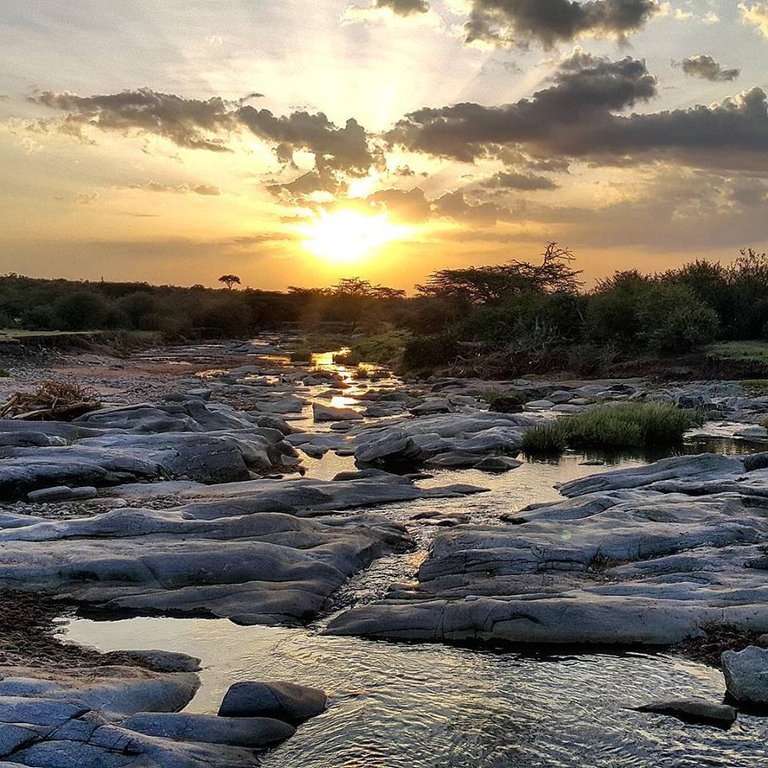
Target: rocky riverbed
[222,482]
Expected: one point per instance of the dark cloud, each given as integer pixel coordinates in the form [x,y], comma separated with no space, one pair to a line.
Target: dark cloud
[207,124]
[306,184]
[404,7]
[192,123]
[454,205]
[520,22]
[579,116]
[340,148]
[585,90]
[707,68]
[528,182]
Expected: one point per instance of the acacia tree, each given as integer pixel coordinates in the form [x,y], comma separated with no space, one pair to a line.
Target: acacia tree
[230,281]
[498,282]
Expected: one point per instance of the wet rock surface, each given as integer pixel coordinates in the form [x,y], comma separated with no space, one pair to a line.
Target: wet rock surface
[620,562]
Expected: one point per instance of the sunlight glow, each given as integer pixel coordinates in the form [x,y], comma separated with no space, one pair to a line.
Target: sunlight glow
[347,236]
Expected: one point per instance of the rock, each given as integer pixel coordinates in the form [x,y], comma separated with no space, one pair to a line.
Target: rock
[252,732]
[162,661]
[391,443]
[432,406]
[498,464]
[539,405]
[746,675]
[278,699]
[694,711]
[631,564]
[706,465]
[328,413]
[61,493]
[453,459]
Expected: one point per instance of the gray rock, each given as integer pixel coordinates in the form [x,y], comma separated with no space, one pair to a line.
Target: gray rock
[252,732]
[277,699]
[328,413]
[62,493]
[695,711]
[746,675]
[498,464]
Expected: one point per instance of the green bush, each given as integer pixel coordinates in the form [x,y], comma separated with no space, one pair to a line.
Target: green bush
[428,352]
[613,427]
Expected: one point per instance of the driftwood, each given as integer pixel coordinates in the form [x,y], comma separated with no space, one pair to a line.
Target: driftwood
[52,400]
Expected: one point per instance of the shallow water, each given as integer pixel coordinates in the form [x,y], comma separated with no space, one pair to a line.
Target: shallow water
[433,706]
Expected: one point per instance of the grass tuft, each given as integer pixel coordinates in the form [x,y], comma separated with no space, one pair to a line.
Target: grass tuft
[614,427]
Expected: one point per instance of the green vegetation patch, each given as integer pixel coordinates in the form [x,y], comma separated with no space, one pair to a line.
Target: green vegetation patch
[747,351]
[613,427]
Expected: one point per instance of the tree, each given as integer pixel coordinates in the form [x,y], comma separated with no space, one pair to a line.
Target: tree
[230,281]
[496,283]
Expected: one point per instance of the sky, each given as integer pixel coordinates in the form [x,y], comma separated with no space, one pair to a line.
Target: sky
[296,142]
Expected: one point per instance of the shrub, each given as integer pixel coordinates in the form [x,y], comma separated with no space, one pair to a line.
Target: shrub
[301,355]
[612,427]
[508,401]
[425,352]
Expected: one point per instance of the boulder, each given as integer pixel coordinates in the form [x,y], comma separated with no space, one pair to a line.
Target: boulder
[746,675]
[273,699]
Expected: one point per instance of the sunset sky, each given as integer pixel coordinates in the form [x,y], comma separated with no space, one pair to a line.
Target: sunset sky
[295,142]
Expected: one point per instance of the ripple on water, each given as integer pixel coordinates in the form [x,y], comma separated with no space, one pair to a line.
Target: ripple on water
[430,706]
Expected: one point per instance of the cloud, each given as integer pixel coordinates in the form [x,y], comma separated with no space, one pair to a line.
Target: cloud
[179,189]
[410,206]
[579,116]
[191,123]
[707,68]
[404,7]
[454,205]
[755,14]
[528,182]
[344,148]
[585,90]
[208,124]
[520,22]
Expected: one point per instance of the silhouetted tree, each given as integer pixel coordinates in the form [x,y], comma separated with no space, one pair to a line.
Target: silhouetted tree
[230,281]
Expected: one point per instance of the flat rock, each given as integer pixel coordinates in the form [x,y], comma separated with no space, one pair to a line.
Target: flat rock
[252,732]
[328,413]
[696,711]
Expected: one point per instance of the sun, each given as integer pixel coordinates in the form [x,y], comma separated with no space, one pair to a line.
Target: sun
[347,236]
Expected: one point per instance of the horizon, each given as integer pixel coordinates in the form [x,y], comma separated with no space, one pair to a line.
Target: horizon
[399,137]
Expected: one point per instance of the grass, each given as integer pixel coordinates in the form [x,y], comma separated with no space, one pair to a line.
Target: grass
[744,351]
[755,387]
[613,427]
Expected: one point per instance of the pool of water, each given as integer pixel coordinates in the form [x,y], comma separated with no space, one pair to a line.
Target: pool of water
[431,706]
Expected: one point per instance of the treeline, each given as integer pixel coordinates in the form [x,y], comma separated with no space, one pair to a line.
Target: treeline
[519,317]
[186,313]
[537,317]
